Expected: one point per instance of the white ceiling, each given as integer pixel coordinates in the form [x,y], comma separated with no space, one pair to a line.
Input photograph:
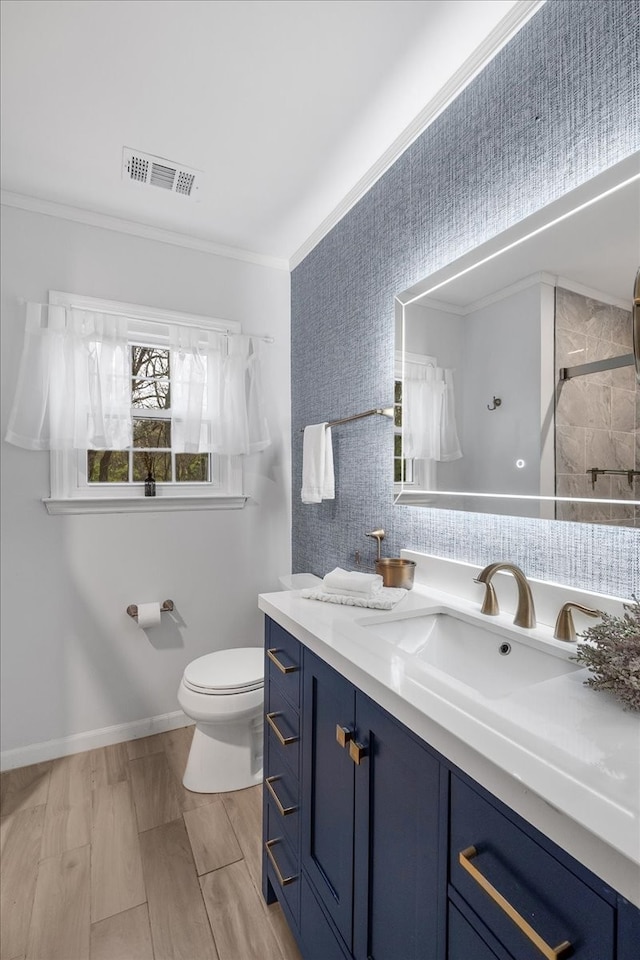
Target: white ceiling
[289,107]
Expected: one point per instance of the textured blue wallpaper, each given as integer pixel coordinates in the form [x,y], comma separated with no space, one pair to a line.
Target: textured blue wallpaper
[559,104]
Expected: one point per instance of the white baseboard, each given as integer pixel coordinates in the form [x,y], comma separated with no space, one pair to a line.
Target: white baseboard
[91,740]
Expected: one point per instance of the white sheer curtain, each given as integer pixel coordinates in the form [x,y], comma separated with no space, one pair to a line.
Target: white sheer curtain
[217,402]
[74,388]
[196,369]
[428,414]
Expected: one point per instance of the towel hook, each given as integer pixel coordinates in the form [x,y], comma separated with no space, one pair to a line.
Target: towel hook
[496,403]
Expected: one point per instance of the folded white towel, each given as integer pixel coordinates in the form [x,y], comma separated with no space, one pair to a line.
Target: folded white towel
[385,600]
[351,583]
[317,464]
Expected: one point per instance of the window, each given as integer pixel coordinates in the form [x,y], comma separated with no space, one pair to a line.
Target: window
[151,453]
[113,480]
[402,467]
[412,476]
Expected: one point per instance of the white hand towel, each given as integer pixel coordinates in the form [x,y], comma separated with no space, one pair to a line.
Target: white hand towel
[385,600]
[317,464]
[351,583]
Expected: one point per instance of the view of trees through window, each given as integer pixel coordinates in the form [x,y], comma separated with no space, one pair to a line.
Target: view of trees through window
[151,452]
[402,468]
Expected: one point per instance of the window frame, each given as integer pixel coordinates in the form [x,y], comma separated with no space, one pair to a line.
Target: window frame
[412,466]
[71,492]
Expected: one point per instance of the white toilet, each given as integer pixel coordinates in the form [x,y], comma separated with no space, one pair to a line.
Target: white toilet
[224,693]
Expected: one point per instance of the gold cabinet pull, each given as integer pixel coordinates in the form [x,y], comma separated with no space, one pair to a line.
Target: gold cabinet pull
[551,953]
[283,881]
[285,741]
[285,811]
[343,735]
[357,751]
[272,656]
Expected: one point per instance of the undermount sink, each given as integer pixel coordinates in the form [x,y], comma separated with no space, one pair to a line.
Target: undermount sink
[494,664]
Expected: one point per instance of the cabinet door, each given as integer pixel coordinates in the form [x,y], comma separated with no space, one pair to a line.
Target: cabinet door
[327,790]
[399,907]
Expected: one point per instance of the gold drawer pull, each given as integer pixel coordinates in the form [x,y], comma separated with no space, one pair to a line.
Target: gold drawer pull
[285,811]
[283,881]
[551,953]
[343,735]
[357,751]
[272,656]
[285,741]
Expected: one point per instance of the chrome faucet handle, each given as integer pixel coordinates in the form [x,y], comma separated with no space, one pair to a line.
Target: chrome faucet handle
[565,627]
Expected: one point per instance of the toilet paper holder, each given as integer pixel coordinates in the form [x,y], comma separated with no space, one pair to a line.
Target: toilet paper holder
[166,607]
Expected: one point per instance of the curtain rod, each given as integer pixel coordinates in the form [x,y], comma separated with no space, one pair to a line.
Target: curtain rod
[149,319]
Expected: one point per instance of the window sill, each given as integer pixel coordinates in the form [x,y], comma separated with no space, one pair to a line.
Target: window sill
[57,506]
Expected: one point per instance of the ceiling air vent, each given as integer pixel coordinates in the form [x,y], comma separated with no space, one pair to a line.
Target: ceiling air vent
[158,172]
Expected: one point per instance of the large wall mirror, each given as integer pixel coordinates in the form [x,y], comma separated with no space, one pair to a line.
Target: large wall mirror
[517,374]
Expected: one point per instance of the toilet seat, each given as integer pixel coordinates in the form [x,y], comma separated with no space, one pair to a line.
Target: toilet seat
[226,672]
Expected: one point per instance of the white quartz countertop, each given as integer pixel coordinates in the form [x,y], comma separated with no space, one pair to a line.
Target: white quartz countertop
[575,748]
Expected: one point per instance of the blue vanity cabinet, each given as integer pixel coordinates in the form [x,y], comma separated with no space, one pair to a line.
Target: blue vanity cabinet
[465,942]
[628,930]
[328,790]
[378,848]
[281,806]
[370,824]
[399,872]
[508,880]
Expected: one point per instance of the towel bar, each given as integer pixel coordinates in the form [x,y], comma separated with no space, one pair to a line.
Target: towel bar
[380,411]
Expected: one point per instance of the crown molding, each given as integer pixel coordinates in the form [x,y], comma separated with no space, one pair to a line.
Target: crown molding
[472,66]
[94,219]
[518,286]
[592,294]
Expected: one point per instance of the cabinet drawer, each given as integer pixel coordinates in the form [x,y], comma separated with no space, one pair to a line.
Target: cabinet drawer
[284,661]
[283,728]
[283,871]
[464,942]
[518,889]
[281,793]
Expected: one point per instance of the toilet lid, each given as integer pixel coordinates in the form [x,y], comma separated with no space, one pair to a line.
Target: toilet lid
[227,671]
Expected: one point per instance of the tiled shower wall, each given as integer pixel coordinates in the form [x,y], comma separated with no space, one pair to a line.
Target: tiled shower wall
[559,104]
[598,415]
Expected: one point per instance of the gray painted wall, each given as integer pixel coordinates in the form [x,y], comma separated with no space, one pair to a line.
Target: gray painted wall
[73,663]
[559,104]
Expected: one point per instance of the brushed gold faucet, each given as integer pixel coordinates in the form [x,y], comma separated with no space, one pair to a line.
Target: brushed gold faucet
[525,612]
[376,535]
[565,629]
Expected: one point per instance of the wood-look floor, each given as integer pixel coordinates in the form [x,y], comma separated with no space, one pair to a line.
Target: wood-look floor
[105,856]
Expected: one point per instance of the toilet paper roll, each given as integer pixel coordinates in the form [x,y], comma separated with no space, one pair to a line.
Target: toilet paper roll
[149,614]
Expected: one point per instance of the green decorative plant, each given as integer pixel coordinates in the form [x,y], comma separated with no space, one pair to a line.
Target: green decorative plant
[612,653]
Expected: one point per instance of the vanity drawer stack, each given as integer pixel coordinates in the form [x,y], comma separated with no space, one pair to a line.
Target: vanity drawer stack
[511,897]
[283,662]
